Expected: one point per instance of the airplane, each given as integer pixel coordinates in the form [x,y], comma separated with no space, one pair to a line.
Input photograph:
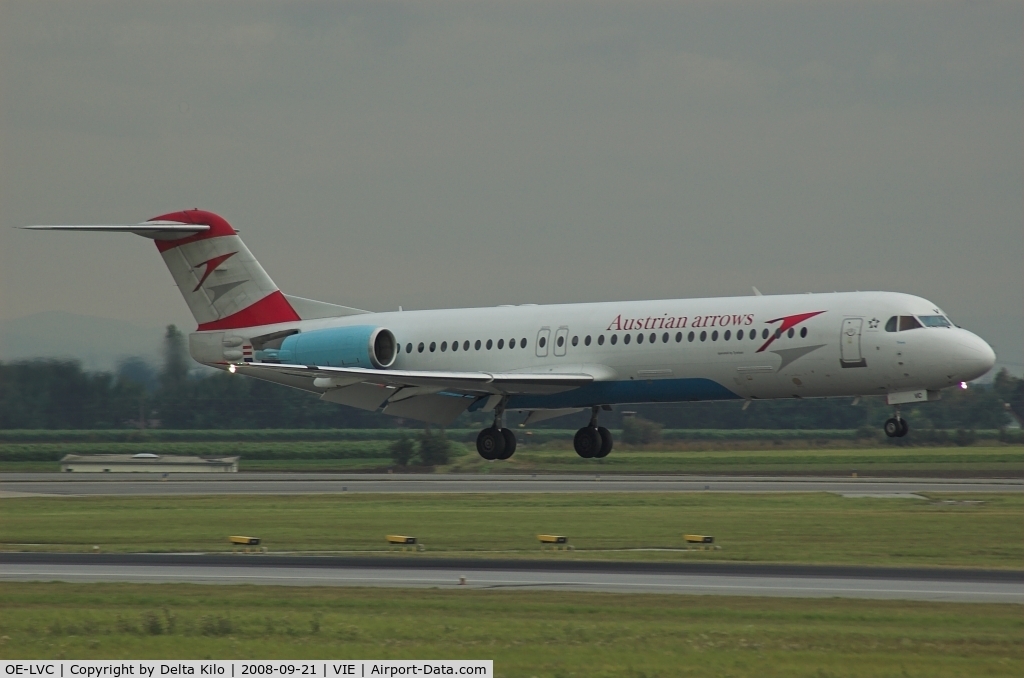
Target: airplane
[552,360]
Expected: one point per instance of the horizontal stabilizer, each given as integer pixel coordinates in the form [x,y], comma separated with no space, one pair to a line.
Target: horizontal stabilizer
[157,230]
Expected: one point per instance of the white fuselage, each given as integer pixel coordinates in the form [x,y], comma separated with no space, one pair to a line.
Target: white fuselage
[691,349]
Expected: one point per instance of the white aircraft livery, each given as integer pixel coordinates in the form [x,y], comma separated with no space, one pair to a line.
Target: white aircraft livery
[551,360]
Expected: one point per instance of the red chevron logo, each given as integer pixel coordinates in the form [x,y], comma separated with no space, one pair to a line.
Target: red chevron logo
[211,265]
[787,322]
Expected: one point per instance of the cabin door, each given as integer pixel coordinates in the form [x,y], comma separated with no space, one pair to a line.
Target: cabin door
[849,342]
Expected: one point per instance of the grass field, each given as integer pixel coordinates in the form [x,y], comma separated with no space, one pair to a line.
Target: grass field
[949,530]
[525,633]
[558,457]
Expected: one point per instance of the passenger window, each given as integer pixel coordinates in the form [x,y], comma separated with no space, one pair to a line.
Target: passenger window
[703,336]
[908,322]
[522,343]
[639,338]
[465,345]
[739,334]
[727,335]
[615,339]
[432,346]
[679,337]
[764,333]
[626,338]
[664,338]
[890,326]
[501,343]
[512,343]
[444,346]
[690,336]
[600,340]
[420,347]
[586,341]
[653,338]
[803,332]
[575,341]
[477,345]
[561,341]
[455,346]
[790,333]
[489,344]
[408,348]
[542,342]
[714,336]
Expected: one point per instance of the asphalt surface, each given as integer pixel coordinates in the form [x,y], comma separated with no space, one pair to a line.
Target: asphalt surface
[687,578]
[124,484]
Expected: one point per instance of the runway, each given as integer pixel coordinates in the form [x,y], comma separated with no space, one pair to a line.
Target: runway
[127,484]
[965,586]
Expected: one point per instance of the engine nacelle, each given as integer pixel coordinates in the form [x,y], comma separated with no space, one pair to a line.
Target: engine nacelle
[355,346]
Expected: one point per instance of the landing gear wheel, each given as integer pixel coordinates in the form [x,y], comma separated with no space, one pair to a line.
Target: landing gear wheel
[606,442]
[587,442]
[893,428]
[490,443]
[510,444]
[904,428]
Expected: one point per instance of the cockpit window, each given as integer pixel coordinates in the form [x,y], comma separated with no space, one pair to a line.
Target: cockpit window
[908,322]
[891,325]
[934,320]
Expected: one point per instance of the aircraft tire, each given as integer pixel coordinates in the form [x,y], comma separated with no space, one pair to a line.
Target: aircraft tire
[892,427]
[606,442]
[904,428]
[490,443]
[587,442]
[510,444]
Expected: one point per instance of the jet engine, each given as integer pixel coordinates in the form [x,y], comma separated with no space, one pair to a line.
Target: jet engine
[354,346]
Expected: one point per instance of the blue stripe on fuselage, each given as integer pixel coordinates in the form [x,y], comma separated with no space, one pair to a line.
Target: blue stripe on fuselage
[633,391]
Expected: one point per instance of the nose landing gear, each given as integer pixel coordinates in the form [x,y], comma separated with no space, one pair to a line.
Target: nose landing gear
[896,427]
[593,441]
[496,442]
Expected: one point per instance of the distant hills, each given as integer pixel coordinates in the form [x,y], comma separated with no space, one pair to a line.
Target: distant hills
[97,343]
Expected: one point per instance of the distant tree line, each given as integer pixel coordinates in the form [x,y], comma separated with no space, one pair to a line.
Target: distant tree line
[51,394]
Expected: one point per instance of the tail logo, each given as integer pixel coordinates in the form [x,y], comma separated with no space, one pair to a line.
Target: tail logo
[211,265]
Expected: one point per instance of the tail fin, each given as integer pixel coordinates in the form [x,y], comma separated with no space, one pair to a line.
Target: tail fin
[222,283]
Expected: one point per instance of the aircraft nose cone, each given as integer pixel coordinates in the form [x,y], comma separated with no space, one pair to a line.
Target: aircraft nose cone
[974,357]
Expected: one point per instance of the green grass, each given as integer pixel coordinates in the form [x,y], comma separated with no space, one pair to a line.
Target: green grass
[793,528]
[526,633]
[558,457]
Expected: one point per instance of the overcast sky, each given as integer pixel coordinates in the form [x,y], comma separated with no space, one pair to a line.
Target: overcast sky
[435,154]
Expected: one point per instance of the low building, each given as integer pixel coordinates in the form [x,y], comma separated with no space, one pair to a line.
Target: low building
[146,463]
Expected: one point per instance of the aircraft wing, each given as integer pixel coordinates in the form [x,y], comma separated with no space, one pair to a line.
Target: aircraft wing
[481,383]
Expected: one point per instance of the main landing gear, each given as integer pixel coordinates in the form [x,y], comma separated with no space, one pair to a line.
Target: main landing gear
[896,427]
[496,442]
[593,441]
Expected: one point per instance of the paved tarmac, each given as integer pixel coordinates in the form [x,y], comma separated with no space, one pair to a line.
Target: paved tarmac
[966,586]
[123,484]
